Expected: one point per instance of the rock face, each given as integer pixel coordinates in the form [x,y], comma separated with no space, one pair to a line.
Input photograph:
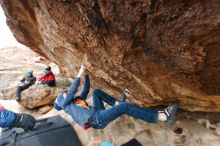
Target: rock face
[37,95]
[160,50]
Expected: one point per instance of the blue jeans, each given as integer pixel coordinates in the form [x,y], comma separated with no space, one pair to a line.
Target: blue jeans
[104,116]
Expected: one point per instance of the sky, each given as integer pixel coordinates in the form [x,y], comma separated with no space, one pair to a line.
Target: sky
[6,36]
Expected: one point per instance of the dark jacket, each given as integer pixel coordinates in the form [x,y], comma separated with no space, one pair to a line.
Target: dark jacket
[79,114]
[28,80]
[6,118]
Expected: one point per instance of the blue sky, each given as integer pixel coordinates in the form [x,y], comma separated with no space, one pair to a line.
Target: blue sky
[6,37]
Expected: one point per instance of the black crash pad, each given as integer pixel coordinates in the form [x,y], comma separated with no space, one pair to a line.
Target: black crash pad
[53,131]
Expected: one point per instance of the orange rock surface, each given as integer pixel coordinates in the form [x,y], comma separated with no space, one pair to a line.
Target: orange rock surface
[160,50]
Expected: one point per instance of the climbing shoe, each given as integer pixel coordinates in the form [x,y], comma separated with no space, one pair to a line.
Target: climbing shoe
[170,112]
[17,99]
[126,93]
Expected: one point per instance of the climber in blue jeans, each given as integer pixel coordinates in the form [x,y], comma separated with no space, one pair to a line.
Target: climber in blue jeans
[97,116]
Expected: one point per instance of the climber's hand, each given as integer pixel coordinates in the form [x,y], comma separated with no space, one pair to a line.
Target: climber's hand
[81,71]
[37,82]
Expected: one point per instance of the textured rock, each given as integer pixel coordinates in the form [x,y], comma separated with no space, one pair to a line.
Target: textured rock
[44,109]
[38,95]
[160,50]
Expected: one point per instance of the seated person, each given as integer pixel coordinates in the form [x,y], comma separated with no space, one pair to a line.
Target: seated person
[97,116]
[10,119]
[47,78]
[27,81]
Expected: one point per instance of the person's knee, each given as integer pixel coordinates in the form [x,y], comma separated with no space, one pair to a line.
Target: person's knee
[124,106]
[96,92]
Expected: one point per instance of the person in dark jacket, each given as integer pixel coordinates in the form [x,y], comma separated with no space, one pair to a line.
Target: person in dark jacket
[47,78]
[10,119]
[97,116]
[25,83]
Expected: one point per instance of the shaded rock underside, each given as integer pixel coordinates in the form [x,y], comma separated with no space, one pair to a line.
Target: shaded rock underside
[160,50]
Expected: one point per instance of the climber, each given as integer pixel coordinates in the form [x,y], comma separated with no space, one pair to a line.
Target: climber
[27,81]
[10,119]
[98,117]
[47,78]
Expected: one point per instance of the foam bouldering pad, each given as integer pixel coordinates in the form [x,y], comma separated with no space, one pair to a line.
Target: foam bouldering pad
[132,142]
[53,131]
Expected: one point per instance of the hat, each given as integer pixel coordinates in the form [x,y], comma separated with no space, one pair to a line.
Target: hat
[29,72]
[48,68]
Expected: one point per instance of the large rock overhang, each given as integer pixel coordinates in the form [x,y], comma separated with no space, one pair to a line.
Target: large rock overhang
[160,50]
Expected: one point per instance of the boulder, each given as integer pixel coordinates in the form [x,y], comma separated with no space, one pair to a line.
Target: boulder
[39,95]
[161,50]
[44,109]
